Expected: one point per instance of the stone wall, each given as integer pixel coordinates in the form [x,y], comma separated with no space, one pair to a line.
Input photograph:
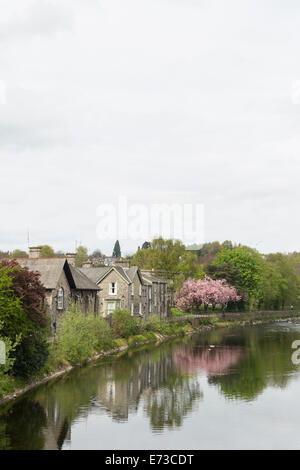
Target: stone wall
[51,297]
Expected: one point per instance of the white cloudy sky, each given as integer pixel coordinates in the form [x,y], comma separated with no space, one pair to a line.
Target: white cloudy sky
[154,100]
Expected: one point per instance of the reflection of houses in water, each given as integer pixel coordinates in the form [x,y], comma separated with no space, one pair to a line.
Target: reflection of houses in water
[122,397]
[57,430]
[213,361]
[149,379]
[167,396]
[168,405]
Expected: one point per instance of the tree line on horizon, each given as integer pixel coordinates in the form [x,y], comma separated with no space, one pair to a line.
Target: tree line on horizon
[262,281]
[268,281]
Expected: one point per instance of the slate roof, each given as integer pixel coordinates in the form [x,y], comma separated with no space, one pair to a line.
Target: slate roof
[94,274]
[122,273]
[132,271]
[149,278]
[49,268]
[81,281]
[97,274]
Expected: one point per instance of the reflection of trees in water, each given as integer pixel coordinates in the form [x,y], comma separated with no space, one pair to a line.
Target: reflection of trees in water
[163,379]
[116,388]
[213,361]
[21,426]
[268,363]
[167,405]
[150,376]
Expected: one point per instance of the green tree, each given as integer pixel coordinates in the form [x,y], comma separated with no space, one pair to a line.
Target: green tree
[12,315]
[211,248]
[81,255]
[288,284]
[47,251]
[169,259]
[5,368]
[146,245]
[117,250]
[272,282]
[227,244]
[246,265]
[21,298]
[18,254]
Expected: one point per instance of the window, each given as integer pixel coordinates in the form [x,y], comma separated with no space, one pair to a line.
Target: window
[140,309]
[60,299]
[113,288]
[140,289]
[111,307]
[150,292]
[132,309]
[132,289]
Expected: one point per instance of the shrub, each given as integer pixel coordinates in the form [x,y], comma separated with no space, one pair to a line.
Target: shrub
[161,327]
[78,337]
[124,325]
[154,323]
[31,354]
[76,340]
[103,333]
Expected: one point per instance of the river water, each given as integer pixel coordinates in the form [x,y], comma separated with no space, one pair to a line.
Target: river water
[225,389]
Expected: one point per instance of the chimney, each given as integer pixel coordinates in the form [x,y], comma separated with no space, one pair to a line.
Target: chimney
[71,257]
[35,252]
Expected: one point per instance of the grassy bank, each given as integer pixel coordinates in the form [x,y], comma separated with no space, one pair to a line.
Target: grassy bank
[80,339]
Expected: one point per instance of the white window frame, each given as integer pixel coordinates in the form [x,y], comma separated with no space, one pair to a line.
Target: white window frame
[60,298]
[140,289]
[111,288]
[140,308]
[132,309]
[132,289]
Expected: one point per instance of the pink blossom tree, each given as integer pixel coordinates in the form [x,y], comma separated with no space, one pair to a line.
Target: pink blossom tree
[195,293]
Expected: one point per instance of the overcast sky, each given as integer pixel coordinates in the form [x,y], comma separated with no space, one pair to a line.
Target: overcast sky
[154,100]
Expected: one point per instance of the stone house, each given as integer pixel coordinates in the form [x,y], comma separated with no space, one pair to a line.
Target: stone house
[113,283]
[138,292]
[128,288]
[157,294]
[65,284]
[120,288]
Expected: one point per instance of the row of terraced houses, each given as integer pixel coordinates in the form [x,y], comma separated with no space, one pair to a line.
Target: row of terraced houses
[98,290]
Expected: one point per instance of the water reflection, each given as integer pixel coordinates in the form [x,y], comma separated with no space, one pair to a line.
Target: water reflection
[164,382]
[214,360]
[267,363]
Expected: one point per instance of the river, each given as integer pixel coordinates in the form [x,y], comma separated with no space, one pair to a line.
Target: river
[224,389]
